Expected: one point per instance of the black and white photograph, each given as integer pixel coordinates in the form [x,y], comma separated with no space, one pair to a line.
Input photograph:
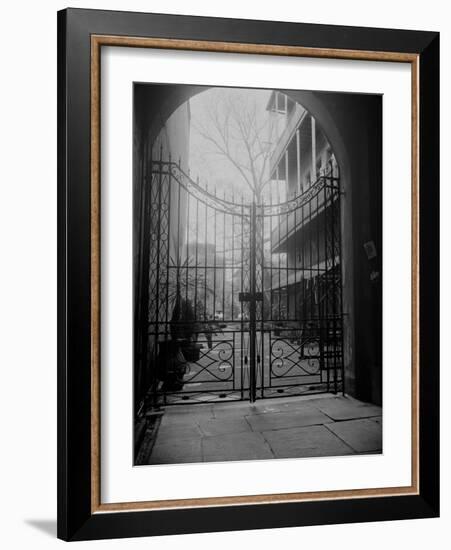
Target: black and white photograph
[257,272]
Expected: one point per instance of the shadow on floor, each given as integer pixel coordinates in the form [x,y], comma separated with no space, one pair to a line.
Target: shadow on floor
[46,526]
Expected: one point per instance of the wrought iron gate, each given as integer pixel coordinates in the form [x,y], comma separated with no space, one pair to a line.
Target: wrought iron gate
[241,300]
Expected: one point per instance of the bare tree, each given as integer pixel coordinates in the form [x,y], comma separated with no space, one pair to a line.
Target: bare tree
[237,128]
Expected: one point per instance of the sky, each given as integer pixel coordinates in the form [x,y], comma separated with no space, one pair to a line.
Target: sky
[212,167]
[214,170]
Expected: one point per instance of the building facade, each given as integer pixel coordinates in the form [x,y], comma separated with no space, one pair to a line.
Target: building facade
[303,158]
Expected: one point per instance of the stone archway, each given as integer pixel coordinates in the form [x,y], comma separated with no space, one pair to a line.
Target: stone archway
[351,124]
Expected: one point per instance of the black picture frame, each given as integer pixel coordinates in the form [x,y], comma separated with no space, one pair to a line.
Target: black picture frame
[76,518]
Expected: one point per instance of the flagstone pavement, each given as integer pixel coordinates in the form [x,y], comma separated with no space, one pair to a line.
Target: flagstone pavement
[293,427]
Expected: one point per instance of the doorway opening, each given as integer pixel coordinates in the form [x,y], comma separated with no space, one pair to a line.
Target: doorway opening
[240,288]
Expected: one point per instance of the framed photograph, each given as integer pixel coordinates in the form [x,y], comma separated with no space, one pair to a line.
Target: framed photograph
[248,274]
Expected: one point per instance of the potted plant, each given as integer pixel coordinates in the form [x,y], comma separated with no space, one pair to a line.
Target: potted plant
[184,328]
[182,347]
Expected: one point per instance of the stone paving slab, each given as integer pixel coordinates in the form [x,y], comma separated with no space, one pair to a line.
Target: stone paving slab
[177,452]
[186,415]
[306,442]
[276,408]
[306,416]
[173,433]
[242,446]
[286,427]
[221,426]
[362,435]
[232,410]
[197,409]
[284,404]
[280,404]
[346,408]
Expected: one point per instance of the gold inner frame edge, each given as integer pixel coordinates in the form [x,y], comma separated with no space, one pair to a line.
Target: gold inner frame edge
[97,41]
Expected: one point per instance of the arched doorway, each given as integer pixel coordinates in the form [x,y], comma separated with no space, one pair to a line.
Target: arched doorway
[239,325]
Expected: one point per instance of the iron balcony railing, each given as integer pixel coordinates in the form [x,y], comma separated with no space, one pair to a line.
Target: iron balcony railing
[303,209]
[293,122]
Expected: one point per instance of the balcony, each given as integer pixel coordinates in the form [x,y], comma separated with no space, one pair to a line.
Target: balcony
[311,204]
[293,122]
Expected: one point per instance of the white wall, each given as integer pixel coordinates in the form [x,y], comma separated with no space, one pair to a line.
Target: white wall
[28,272]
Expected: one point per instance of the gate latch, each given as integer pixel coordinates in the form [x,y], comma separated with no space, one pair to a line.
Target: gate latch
[249,297]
